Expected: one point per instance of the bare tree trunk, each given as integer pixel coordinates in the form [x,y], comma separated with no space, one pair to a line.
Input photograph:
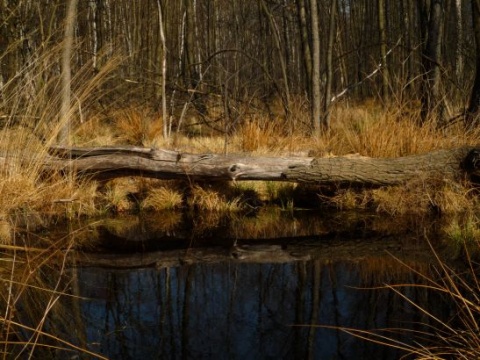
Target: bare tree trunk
[432,101]
[192,67]
[307,54]
[281,56]
[95,32]
[408,20]
[383,49]
[328,86]
[316,97]
[474,104]
[161,34]
[65,109]
[459,61]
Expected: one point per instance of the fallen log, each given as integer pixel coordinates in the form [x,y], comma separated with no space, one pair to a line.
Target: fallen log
[351,170]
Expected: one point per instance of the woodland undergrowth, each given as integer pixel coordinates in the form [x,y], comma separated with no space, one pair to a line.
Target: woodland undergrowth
[31,199]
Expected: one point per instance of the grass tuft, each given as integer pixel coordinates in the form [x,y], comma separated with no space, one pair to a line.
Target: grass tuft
[212,200]
[162,198]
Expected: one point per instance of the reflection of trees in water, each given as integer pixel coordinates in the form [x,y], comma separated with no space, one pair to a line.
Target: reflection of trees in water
[265,223]
[234,310]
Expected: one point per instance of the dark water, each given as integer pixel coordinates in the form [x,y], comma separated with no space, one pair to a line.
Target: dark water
[240,311]
[248,288]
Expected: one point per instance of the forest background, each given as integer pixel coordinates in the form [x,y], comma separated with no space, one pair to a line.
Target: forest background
[231,58]
[378,78]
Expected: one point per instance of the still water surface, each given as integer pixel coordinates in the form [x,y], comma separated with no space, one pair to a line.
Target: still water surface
[271,287]
[231,310]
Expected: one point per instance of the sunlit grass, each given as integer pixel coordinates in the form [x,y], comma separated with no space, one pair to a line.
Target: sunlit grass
[212,200]
[162,198]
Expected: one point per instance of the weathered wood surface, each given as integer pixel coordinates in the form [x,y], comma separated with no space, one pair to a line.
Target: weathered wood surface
[111,162]
[166,164]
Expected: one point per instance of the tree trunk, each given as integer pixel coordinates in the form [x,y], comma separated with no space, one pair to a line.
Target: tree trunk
[459,62]
[107,163]
[329,68]
[409,28]
[432,101]
[383,49]
[163,91]
[474,104]
[267,251]
[306,52]
[316,96]
[281,56]
[65,110]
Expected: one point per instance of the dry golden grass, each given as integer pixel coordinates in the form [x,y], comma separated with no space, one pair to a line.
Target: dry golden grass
[371,130]
[264,136]
[116,195]
[97,131]
[368,129]
[422,196]
[162,198]
[137,126]
[212,200]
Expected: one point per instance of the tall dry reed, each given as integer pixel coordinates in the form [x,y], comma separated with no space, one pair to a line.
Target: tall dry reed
[455,335]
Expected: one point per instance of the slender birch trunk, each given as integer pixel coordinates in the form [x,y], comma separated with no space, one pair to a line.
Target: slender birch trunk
[316,96]
[383,49]
[161,34]
[66,75]
[474,104]
[281,57]
[328,86]
[307,54]
[459,61]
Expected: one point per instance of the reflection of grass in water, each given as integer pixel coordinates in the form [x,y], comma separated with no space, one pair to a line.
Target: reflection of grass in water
[35,279]
[164,221]
[384,269]
[457,337]
[463,236]
[125,225]
[269,223]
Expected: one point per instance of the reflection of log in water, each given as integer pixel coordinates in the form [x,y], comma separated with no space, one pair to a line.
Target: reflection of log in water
[300,249]
[149,233]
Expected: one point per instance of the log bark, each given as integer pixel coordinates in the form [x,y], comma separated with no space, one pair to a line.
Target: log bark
[353,170]
[357,170]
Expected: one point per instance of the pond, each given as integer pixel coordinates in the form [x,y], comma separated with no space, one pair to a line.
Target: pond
[213,296]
